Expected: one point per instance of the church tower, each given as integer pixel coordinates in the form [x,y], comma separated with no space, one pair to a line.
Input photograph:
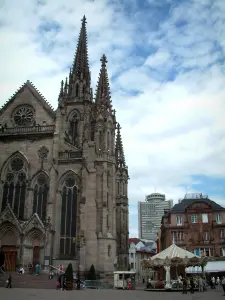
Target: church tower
[72,206]
[104,122]
[122,212]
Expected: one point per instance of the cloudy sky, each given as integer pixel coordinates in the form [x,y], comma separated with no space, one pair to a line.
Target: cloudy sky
[167,73]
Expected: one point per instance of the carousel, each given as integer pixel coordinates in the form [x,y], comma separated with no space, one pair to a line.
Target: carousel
[166,269]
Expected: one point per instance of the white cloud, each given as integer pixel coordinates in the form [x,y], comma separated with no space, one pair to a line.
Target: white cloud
[174,127]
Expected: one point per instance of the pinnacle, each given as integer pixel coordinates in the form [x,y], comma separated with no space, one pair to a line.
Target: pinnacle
[104,61]
[119,153]
[80,65]
[103,90]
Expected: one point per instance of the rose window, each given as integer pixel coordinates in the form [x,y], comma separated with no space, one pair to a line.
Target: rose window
[24,116]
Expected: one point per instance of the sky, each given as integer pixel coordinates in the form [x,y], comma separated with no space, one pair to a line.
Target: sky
[167,78]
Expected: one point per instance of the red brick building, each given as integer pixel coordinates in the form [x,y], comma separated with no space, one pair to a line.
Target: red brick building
[197,224]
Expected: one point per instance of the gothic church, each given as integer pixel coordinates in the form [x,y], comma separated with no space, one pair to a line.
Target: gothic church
[63,188]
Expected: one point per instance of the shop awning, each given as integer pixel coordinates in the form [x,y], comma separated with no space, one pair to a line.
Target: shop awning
[215,266]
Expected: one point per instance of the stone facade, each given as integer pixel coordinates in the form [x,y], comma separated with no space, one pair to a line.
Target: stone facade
[63,190]
[197,224]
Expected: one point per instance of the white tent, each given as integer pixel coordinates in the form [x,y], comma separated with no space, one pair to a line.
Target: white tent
[172,252]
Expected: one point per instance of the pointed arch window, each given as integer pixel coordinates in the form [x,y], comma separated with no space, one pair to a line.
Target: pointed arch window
[93,130]
[77,90]
[68,218]
[14,187]
[108,141]
[40,197]
[74,128]
[100,140]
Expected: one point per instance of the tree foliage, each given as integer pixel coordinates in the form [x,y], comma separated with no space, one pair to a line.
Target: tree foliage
[69,272]
[92,273]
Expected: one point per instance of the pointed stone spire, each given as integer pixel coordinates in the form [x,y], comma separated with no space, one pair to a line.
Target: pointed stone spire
[80,67]
[119,153]
[103,91]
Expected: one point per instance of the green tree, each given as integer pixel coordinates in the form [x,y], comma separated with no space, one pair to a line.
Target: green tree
[91,273]
[69,272]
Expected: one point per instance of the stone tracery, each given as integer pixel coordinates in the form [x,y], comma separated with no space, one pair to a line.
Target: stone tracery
[14,187]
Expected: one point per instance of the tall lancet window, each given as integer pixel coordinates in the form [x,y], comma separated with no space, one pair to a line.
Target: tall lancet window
[108,141]
[77,90]
[92,130]
[40,197]
[100,140]
[68,218]
[74,128]
[14,187]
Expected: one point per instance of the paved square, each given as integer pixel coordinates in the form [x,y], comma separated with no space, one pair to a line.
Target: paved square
[22,294]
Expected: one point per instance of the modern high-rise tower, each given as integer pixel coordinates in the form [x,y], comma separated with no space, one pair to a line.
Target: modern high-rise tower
[150,215]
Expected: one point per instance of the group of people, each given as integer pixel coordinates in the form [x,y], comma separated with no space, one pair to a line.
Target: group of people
[186,284]
[215,283]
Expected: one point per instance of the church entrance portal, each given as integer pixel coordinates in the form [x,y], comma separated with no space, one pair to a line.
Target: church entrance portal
[36,255]
[10,257]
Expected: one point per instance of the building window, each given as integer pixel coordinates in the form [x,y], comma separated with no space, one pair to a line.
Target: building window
[118,187]
[206,236]
[14,187]
[218,219]
[222,251]
[109,250]
[68,218]
[132,265]
[204,218]
[179,220]
[222,234]
[194,219]
[177,236]
[40,197]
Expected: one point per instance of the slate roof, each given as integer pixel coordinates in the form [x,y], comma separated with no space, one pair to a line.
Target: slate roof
[180,207]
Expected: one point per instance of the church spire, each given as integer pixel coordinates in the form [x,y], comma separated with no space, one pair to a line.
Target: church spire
[80,67]
[119,153]
[103,91]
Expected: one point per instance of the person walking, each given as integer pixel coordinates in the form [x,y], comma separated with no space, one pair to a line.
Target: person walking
[200,284]
[9,282]
[192,289]
[218,283]
[223,284]
[213,282]
[38,268]
[184,286]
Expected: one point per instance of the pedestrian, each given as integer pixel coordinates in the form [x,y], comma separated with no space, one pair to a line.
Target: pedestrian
[213,282]
[38,268]
[192,285]
[9,282]
[30,267]
[200,284]
[184,285]
[218,283]
[223,284]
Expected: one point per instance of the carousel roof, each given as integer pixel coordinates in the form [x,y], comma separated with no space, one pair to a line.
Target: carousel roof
[173,251]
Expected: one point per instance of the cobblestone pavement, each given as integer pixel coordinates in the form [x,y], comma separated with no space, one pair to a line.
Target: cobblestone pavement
[21,294]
